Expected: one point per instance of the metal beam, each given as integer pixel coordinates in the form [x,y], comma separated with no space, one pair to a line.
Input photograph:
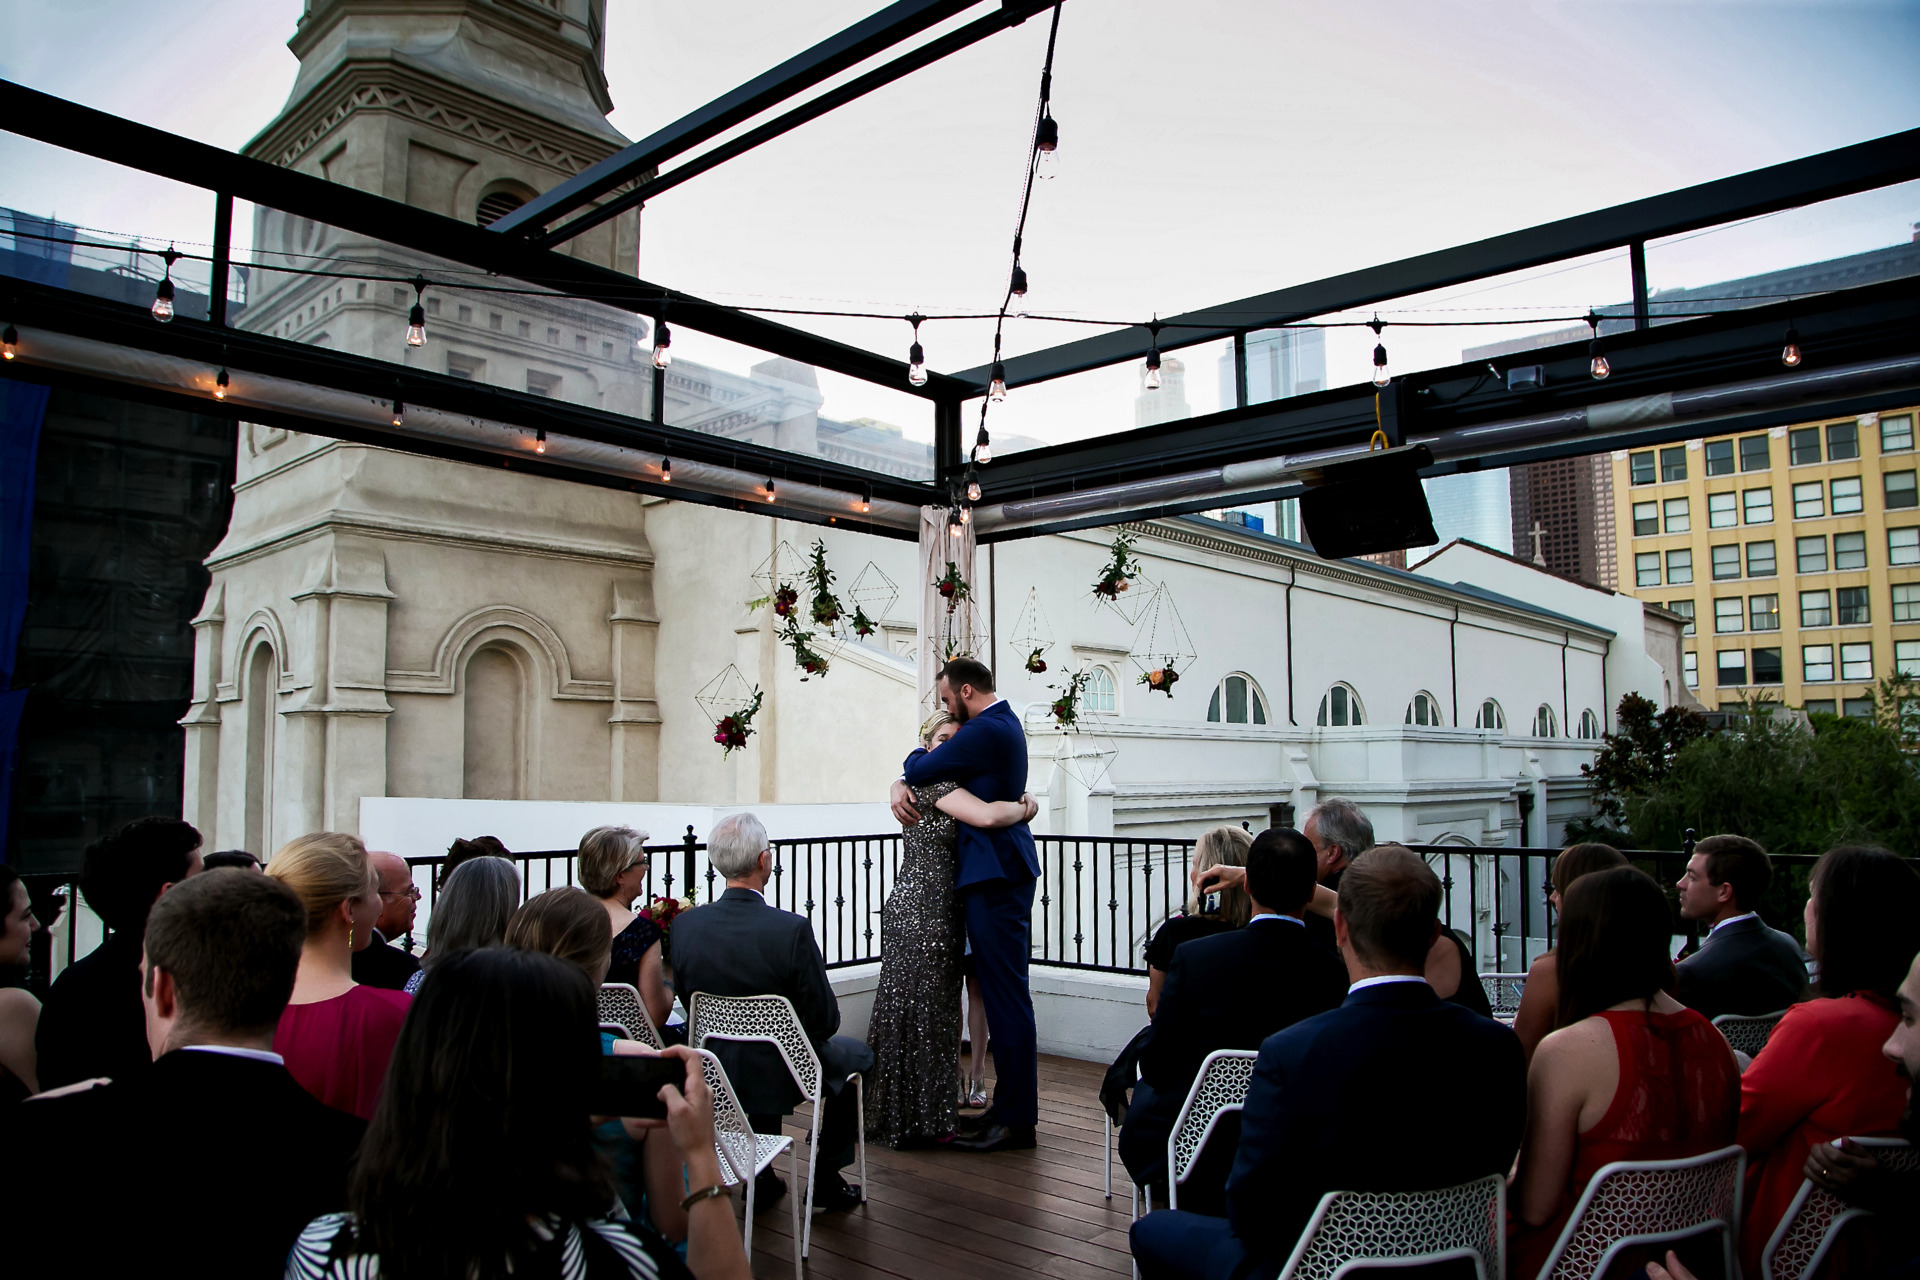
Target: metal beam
[1861,167]
[896,22]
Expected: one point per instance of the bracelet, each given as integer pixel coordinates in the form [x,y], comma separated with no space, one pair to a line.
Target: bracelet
[704,1193]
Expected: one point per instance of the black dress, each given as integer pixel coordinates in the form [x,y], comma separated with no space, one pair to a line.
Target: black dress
[1179,929]
[629,945]
[1470,994]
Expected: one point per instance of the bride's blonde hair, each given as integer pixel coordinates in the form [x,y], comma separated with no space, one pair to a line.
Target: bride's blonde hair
[932,726]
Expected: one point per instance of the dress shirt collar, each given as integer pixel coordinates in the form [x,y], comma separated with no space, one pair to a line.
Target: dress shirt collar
[1748,915]
[749,889]
[235,1051]
[1383,980]
[1275,915]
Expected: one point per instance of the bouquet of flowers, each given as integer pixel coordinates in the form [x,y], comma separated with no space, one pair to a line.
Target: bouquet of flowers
[1120,570]
[784,599]
[826,606]
[863,626]
[662,912]
[952,586]
[1160,679]
[1066,707]
[1036,663]
[732,731]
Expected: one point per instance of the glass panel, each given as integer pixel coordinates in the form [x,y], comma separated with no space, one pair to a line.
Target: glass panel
[1816,609]
[1732,667]
[1753,453]
[1673,464]
[1641,467]
[1906,602]
[1846,495]
[1906,657]
[1690,669]
[1821,706]
[1843,441]
[1760,563]
[1849,550]
[1646,569]
[1679,567]
[1728,614]
[1816,662]
[1759,506]
[1896,433]
[1857,708]
[1678,521]
[1809,501]
[1646,519]
[1901,493]
[1810,554]
[1719,457]
[1720,511]
[1803,445]
[1685,609]
[1764,613]
[1726,561]
[1856,662]
[1236,700]
[1766,666]
[1850,606]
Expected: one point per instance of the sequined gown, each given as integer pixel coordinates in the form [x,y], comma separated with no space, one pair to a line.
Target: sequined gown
[912,1092]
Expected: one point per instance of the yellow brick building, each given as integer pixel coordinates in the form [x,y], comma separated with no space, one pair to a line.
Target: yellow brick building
[1796,551]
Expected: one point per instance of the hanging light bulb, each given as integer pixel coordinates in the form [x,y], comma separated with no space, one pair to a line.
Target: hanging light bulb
[1789,354]
[540,440]
[417,318]
[997,389]
[399,412]
[916,355]
[1018,286]
[219,384]
[973,491]
[666,470]
[662,342]
[1597,363]
[1153,358]
[163,292]
[1380,376]
[1046,140]
[966,515]
[982,447]
[9,341]
[954,524]
[769,489]
[866,497]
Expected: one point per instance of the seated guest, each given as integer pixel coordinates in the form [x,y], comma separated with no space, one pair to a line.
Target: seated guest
[19,1011]
[1395,1090]
[737,945]
[1454,976]
[1822,1075]
[92,1024]
[1340,831]
[613,868]
[216,1110]
[452,1182]
[1220,847]
[1539,1010]
[1743,965]
[1632,1074]
[380,963]
[461,850]
[336,1034]
[472,911]
[231,858]
[1230,991]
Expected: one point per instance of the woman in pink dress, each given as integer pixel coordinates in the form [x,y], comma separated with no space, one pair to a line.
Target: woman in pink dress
[335,1034]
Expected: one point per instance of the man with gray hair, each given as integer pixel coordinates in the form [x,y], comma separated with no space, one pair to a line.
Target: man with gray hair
[1339,831]
[739,945]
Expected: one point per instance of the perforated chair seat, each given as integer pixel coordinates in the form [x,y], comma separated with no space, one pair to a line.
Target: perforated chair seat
[1351,1230]
[1650,1202]
[1219,1087]
[1503,993]
[1813,1221]
[743,1153]
[1749,1035]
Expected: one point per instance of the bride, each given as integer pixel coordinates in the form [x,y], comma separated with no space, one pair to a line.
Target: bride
[912,1091]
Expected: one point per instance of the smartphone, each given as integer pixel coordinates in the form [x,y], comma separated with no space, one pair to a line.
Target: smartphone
[631,1086]
[1211,903]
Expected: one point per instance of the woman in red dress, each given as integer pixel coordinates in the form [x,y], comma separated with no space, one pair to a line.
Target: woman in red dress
[335,1034]
[1821,1075]
[1632,1074]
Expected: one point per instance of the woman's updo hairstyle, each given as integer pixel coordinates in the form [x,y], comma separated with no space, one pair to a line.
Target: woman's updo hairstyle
[326,869]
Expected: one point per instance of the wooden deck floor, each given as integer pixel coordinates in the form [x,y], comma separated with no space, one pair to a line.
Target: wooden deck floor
[939,1215]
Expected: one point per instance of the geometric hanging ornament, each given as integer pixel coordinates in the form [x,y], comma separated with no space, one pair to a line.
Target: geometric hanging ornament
[1162,648]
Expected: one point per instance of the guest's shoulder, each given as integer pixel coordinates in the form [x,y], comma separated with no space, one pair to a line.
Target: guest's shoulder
[1546,967]
[382,1002]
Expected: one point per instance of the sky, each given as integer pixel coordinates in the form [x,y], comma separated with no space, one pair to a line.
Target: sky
[1209,151]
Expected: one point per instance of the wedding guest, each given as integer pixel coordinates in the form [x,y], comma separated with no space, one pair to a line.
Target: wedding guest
[472,911]
[335,1034]
[1821,1075]
[1339,831]
[1220,847]
[1539,1010]
[92,1024]
[452,1182]
[381,963]
[1632,1074]
[217,1110]
[19,1011]
[231,858]
[613,868]
[478,847]
[1743,965]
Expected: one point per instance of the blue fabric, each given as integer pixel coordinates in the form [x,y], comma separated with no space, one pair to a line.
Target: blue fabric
[1172,1244]
[23,408]
[988,756]
[999,922]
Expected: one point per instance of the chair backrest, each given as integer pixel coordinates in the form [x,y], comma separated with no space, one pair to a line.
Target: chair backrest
[616,1030]
[1633,1202]
[1748,1034]
[1503,992]
[769,1019]
[1352,1229]
[1800,1243]
[731,1132]
[1220,1087]
[621,1003]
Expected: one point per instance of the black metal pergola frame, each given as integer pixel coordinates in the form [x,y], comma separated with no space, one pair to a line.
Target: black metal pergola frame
[1862,344]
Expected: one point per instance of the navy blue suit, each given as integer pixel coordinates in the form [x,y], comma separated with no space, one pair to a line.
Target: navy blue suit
[1396,1090]
[988,756]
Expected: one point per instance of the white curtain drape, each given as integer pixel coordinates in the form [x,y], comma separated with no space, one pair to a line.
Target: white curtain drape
[937,547]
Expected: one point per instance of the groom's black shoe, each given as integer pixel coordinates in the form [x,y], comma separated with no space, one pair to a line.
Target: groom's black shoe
[973,1126]
[996,1137]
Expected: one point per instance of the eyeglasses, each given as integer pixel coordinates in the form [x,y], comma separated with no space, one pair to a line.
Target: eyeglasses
[411,891]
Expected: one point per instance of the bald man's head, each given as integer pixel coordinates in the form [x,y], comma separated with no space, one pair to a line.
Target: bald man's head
[397,896]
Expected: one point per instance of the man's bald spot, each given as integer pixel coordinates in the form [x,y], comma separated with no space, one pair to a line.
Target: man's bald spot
[392,869]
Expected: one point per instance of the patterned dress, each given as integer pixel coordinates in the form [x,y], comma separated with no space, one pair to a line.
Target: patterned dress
[913,1090]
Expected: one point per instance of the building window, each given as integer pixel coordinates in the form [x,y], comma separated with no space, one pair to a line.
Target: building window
[1759,503]
[1491,717]
[1680,567]
[1850,606]
[1903,546]
[1720,511]
[1906,602]
[1857,708]
[542,384]
[1719,457]
[1753,453]
[1728,614]
[1896,434]
[1846,495]
[464,314]
[1340,707]
[1239,698]
[1803,446]
[1843,441]
[1690,669]
[1726,562]
[1810,554]
[1640,467]
[1816,609]
[467,367]
[1646,519]
[1678,519]
[1590,723]
[1856,662]
[1423,710]
[1732,667]
[1900,490]
[494,319]
[1760,561]
[1544,724]
[1102,692]
[1816,662]
[1849,550]
[1766,666]
[1646,569]
[1906,657]
[1763,613]
[1685,609]
[1808,501]
[1821,706]
[1673,464]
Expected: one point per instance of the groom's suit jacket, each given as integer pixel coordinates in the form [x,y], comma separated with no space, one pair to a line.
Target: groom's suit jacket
[988,756]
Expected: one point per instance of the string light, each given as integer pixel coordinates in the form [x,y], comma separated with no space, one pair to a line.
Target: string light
[417,318]
[662,341]
[540,440]
[982,447]
[916,355]
[219,384]
[1018,285]
[1380,376]
[1153,357]
[997,389]
[1046,140]
[954,524]
[163,292]
[9,341]
[399,412]
[666,471]
[769,489]
[1597,363]
[866,497]
[1789,354]
[973,491]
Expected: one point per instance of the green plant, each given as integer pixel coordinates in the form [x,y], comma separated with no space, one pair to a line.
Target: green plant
[1634,761]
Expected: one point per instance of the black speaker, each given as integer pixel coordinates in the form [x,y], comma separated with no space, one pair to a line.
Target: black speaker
[1369,504]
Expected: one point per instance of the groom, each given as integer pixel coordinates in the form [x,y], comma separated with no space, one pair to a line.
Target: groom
[988,756]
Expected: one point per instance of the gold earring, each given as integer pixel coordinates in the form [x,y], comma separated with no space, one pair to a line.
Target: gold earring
[349,937]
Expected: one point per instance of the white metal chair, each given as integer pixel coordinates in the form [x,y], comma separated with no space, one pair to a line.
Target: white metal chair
[1364,1229]
[744,1153]
[772,1020]
[1220,1087]
[1813,1221]
[1650,1202]
[1503,993]
[621,1004]
[616,1030]
[1748,1035]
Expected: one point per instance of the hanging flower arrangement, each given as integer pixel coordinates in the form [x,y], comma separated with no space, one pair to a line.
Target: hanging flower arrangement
[1160,679]
[1066,707]
[805,656]
[1036,663]
[1120,570]
[863,626]
[732,730]
[952,587]
[826,606]
[784,599]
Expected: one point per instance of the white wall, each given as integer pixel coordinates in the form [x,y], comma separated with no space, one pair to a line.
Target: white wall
[416,828]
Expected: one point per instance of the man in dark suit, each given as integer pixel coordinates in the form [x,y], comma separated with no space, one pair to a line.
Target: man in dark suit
[1393,1091]
[214,1159]
[988,756]
[1743,965]
[91,1025]
[1230,991]
[738,945]
[380,963]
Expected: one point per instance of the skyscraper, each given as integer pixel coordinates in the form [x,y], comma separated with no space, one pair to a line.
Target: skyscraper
[1474,505]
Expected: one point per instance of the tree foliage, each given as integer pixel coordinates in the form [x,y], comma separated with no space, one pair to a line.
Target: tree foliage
[1634,763]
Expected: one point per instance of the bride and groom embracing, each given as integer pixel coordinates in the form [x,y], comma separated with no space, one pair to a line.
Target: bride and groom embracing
[967,872]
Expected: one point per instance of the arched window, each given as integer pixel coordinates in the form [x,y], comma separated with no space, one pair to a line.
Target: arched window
[1544,724]
[500,200]
[1424,710]
[1341,706]
[1491,717]
[263,718]
[1102,693]
[1589,725]
[1237,700]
